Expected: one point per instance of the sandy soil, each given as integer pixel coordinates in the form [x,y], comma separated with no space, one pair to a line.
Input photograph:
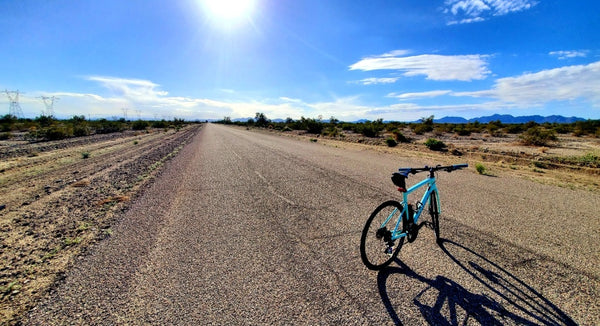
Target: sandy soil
[58,198]
[499,155]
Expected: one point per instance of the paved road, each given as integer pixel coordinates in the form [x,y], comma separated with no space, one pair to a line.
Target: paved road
[251,228]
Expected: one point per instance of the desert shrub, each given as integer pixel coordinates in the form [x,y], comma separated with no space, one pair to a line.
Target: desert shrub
[391,142]
[434,144]
[331,131]
[538,136]
[45,120]
[7,122]
[588,127]
[261,120]
[85,155]
[368,130]
[5,136]
[313,126]
[480,168]
[79,131]
[399,136]
[462,130]
[162,124]
[140,125]
[426,125]
[562,128]
[421,129]
[514,128]
[591,160]
[57,132]
[104,126]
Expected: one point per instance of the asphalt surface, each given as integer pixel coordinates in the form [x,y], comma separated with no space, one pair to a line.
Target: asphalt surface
[249,228]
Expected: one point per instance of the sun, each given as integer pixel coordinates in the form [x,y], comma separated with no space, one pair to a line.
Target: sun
[228,10]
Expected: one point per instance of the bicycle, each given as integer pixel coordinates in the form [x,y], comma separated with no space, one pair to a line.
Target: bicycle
[392,222]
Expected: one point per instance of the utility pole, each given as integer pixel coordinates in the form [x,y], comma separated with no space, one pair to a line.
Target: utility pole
[49,103]
[14,108]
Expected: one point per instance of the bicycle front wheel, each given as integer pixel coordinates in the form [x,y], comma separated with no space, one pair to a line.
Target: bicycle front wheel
[377,249]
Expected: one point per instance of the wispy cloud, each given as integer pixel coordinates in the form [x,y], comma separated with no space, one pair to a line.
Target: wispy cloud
[433,66]
[559,84]
[562,55]
[405,96]
[470,11]
[374,81]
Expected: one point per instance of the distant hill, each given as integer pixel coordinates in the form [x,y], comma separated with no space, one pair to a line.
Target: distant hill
[507,118]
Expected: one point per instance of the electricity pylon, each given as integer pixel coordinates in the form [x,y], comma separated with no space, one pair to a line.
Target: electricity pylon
[14,108]
[49,103]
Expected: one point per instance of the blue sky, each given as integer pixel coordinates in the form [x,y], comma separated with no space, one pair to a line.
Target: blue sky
[396,60]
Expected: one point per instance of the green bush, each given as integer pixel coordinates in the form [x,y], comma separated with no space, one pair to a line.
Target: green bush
[104,126]
[57,132]
[140,125]
[434,144]
[391,142]
[422,128]
[313,126]
[400,137]
[514,128]
[480,168]
[79,131]
[369,129]
[538,136]
[462,130]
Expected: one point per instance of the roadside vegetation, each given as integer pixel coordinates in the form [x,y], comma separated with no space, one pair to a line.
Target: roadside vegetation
[531,146]
[531,133]
[45,128]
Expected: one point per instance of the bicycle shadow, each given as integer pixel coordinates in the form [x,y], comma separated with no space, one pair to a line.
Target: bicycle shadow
[445,302]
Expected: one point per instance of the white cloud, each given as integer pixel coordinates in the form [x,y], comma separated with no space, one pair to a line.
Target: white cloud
[433,66]
[404,96]
[374,81]
[135,89]
[569,54]
[470,11]
[559,84]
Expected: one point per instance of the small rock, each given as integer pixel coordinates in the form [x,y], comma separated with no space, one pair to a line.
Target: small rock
[2,207]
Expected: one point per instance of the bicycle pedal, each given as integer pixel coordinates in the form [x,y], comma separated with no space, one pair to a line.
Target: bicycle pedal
[389,251]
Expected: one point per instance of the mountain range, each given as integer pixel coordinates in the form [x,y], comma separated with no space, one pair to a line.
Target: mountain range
[504,118]
[507,118]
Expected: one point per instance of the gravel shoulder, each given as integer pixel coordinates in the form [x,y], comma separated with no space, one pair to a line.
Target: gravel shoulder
[251,228]
[57,203]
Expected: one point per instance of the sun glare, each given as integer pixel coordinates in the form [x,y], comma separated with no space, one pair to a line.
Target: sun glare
[228,10]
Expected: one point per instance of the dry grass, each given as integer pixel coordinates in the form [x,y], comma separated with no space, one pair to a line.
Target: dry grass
[113,199]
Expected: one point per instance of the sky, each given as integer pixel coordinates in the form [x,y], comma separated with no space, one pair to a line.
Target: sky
[209,59]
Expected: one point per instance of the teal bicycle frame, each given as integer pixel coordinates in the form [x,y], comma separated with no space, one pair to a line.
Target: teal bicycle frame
[430,181]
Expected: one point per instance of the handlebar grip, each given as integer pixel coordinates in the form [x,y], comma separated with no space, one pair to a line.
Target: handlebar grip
[460,166]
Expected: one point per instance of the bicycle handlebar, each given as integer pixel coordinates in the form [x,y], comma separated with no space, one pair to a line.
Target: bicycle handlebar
[431,169]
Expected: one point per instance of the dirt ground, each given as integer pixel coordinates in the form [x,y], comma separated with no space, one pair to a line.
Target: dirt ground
[58,198]
[557,164]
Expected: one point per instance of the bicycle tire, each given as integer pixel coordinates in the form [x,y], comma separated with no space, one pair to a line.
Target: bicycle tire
[373,247]
[435,215]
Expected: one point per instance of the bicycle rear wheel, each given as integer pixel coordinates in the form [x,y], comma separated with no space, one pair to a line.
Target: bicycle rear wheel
[435,215]
[377,250]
